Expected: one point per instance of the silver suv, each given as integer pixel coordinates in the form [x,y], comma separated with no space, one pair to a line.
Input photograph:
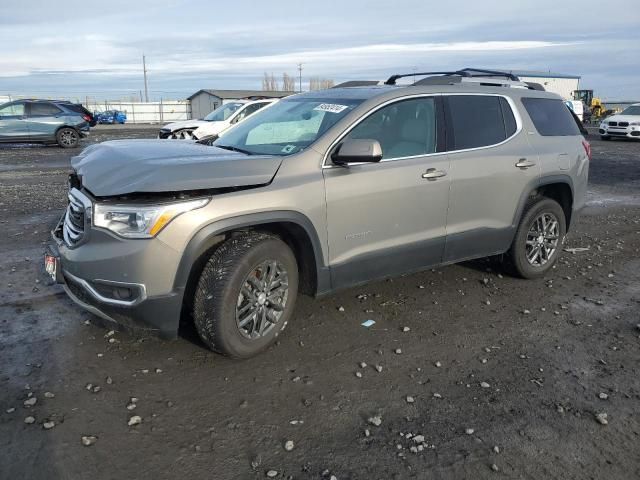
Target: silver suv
[323,191]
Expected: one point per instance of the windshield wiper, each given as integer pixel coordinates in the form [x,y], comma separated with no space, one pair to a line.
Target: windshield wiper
[234,149]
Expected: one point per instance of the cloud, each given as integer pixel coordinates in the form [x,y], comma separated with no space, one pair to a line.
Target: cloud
[191,43]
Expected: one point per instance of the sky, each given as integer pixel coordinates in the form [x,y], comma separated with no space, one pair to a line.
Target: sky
[94,49]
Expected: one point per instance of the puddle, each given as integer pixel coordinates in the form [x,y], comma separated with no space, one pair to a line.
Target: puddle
[598,199]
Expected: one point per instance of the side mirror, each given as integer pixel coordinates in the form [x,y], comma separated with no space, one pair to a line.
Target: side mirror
[357,150]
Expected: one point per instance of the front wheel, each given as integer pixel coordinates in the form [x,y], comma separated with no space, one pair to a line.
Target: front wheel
[539,237]
[246,294]
[67,138]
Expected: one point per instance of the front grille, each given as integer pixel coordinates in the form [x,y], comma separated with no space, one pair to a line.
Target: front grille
[613,124]
[623,124]
[75,219]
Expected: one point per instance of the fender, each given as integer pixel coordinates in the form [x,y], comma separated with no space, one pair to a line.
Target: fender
[206,238]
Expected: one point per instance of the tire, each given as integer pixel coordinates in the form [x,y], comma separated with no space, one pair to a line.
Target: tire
[517,256]
[68,137]
[605,138]
[227,288]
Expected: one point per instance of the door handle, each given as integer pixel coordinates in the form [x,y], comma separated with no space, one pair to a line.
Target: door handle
[432,174]
[524,163]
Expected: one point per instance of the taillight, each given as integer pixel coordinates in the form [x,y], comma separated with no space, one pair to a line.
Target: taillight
[86,118]
[587,148]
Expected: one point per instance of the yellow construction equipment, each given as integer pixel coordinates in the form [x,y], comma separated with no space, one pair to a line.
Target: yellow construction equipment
[598,109]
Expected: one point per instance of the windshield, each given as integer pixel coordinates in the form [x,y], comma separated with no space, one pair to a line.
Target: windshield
[222,113]
[632,110]
[287,127]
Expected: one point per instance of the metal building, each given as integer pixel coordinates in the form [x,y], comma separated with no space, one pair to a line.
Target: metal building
[205,101]
[560,83]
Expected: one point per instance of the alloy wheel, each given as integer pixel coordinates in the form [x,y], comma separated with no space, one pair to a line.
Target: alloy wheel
[542,239]
[262,299]
[68,138]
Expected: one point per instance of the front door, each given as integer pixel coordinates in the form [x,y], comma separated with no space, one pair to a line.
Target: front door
[389,217]
[13,123]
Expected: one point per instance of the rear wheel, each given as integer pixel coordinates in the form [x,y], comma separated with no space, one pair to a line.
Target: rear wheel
[67,137]
[246,294]
[536,246]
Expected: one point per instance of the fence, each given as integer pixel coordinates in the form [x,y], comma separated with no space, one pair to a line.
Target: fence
[146,112]
[137,112]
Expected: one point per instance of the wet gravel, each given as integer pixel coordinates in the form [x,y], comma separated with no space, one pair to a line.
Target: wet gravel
[466,373]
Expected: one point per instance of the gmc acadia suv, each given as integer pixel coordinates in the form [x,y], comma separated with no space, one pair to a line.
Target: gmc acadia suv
[322,191]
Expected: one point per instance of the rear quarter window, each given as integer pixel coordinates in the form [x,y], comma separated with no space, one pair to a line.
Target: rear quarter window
[551,117]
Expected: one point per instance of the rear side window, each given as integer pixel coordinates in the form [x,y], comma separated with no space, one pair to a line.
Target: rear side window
[478,121]
[44,109]
[551,117]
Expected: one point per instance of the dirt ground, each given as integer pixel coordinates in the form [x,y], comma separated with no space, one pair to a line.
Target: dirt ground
[494,377]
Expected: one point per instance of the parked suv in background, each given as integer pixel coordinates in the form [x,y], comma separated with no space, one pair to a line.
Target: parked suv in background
[322,191]
[625,124]
[216,122]
[44,121]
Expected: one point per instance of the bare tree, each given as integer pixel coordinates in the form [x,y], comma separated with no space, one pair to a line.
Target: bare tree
[269,82]
[288,83]
[317,83]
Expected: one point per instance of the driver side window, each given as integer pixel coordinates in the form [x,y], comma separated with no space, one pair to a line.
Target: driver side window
[404,129]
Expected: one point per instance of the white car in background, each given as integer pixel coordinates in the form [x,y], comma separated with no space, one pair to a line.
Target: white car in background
[216,122]
[624,124]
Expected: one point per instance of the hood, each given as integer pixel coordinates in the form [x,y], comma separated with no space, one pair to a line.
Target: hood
[135,166]
[184,124]
[623,118]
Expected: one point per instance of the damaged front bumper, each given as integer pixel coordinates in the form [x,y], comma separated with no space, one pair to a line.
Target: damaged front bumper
[105,277]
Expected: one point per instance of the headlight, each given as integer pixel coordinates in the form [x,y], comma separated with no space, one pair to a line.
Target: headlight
[635,124]
[140,221]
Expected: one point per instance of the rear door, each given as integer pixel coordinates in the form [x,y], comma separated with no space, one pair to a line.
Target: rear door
[492,163]
[44,119]
[13,123]
[389,217]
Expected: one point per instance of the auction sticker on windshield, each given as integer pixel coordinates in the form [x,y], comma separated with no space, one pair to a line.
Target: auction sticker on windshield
[331,107]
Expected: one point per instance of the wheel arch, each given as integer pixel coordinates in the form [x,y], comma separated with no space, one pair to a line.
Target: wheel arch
[55,134]
[292,227]
[556,187]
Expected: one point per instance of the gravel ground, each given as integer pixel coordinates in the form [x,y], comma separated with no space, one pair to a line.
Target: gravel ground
[467,372]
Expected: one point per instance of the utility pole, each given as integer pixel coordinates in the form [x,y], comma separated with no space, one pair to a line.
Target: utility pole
[144,70]
[300,75]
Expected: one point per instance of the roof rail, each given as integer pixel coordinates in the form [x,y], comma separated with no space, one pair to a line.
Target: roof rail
[465,72]
[392,79]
